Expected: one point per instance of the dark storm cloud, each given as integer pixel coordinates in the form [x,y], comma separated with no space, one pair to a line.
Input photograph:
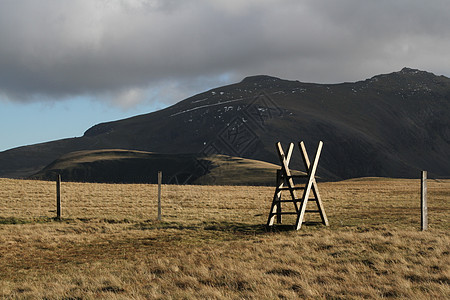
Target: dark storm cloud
[131,50]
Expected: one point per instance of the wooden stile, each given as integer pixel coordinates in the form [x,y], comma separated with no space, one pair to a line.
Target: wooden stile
[285,177]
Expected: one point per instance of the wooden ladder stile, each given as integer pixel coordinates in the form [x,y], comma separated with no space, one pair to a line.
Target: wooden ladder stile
[285,182]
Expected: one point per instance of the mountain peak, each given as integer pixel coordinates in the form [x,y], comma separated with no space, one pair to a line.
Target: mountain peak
[414,72]
[409,71]
[260,79]
[409,77]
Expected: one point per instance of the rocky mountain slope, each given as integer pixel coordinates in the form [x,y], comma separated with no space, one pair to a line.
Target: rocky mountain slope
[390,125]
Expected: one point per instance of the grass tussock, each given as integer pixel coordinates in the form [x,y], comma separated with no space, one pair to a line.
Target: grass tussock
[212,243]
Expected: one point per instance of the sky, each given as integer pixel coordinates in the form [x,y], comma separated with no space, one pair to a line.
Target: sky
[66,65]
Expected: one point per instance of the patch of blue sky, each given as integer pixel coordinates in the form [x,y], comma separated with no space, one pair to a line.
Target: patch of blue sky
[26,123]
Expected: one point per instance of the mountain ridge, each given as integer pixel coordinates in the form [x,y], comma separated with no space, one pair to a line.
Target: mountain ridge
[391,125]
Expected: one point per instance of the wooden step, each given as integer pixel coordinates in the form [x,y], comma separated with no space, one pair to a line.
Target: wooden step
[294,213]
[296,200]
[293,188]
[297,176]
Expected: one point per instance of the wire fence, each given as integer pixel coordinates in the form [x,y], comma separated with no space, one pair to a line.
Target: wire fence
[358,202]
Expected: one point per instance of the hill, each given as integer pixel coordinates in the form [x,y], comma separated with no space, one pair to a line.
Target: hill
[391,125]
[126,166]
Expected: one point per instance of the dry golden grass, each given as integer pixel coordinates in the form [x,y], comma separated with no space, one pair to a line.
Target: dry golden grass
[212,243]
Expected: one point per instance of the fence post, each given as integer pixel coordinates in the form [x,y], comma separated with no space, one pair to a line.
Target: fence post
[423,202]
[159,194]
[58,197]
[278,183]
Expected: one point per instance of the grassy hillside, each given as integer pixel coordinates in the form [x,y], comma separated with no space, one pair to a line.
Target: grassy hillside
[212,243]
[127,166]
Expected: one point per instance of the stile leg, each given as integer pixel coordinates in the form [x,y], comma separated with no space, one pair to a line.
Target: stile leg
[278,195]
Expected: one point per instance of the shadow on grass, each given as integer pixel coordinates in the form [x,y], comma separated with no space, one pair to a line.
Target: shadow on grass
[210,226]
[15,221]
[42,220]
[153,224]
[233,227]
[291,227]
[224,226]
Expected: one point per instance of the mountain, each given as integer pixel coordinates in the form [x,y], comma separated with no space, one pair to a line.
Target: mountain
[127,166]
[391,125]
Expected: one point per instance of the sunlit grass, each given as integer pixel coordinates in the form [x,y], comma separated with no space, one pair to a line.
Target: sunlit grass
[212,243]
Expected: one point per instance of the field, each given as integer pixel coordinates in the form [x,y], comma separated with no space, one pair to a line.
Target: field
[212,243]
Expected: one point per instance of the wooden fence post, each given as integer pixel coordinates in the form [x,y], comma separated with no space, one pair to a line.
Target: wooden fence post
[58,197]
[423,202]
[280,179]
[159,194]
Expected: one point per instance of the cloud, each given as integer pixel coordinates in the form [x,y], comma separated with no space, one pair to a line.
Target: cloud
[135,50]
